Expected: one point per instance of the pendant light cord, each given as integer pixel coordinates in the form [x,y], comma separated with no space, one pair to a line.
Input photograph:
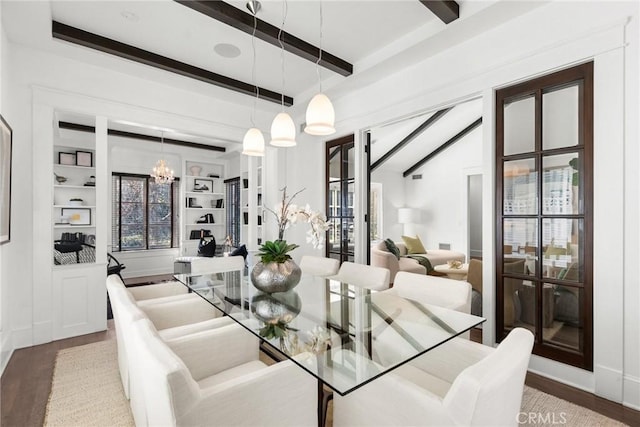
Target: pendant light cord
[253,71]
[320,54]
[284,18]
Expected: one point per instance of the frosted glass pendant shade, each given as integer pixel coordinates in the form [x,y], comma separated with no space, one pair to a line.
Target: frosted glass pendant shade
[253,143]
[320,116]
[283,131]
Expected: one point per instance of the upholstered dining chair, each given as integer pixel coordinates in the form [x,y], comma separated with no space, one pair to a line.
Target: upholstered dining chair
[173,318]
[440,291]
[202,265]
[459,383]
[216,377]
[319,266]
[363,276]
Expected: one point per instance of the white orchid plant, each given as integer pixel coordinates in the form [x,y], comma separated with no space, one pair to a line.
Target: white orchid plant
[288,214]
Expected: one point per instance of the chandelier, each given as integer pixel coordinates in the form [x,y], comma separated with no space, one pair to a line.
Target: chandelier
[161,172]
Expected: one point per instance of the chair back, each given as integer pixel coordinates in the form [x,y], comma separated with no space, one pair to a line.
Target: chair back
[202,265]
[474,276]
[168,387]
[490,391]
[319,266]
[364,276]
[440,291]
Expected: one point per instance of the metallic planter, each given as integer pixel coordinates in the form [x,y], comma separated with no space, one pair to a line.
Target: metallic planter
[276,277]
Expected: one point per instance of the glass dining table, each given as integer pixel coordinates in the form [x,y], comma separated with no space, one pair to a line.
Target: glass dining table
[343,335]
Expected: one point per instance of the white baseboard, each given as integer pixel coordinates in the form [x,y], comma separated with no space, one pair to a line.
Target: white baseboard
[631,388]
[562,373]
[608,383]
[22,337]
[42,332]
[6,352]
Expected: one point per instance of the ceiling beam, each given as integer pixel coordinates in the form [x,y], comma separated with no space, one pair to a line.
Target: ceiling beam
[125,134]
[103,44]
[447,10]
[243,21]
[443,147]
[413,135]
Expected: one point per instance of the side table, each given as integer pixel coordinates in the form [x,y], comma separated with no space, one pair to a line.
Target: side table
[453,273]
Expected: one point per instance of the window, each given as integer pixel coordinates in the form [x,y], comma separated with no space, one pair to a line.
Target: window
[144,214]
[233,209]
[544,195]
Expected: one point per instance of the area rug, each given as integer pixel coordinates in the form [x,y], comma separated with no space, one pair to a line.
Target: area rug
[87,391]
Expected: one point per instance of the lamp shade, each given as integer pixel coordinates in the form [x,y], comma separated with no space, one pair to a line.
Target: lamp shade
[408,216]
[253,143]
[320,116]
[283,131]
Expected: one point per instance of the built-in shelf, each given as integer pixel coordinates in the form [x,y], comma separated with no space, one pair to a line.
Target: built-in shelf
[205,224]
[75,187]
[205,209]
[73,226]
[203,193]
[74,166]
[73,206]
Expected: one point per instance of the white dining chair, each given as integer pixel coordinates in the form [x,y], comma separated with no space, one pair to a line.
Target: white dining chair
[216,378]
[363,276]
[440,291]
[172,318]
[458,383]
[202,265]
[319,266]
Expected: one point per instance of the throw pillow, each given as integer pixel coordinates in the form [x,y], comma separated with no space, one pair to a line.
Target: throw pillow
[414,245]
[391,247]
[242,250]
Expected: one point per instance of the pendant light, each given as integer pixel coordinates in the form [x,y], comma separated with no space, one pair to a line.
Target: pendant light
[320,115]
[161,172]
[283,130]
[253,141]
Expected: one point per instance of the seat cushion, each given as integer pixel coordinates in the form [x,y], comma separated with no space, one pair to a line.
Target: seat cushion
[441,256]
[179,331]
[411,265]
[230,374]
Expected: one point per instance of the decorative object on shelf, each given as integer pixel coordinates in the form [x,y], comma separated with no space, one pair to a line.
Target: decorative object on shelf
[64,220]
[213,175]
[202,185]
[161,172]
[60,179]
[91,182]
[199,234]
[283,130]
[206,219]
[6,142]
[195,170]
[77,216]
[454,264]
[227,246]
[320,116]
[84,158]
[192,202]
[219,203]
[76,202]
[67,159]
[253,141]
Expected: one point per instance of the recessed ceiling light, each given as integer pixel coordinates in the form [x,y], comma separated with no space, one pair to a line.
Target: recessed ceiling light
[227,50]
[130,16]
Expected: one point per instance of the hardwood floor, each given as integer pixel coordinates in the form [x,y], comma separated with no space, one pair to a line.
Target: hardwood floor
[26,383]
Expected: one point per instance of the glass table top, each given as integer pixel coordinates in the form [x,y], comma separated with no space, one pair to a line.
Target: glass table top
[344,335]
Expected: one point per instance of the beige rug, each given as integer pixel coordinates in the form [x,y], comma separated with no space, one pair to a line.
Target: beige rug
[87,391]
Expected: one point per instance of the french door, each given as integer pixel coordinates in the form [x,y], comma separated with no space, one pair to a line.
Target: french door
[544,213]
[340,191]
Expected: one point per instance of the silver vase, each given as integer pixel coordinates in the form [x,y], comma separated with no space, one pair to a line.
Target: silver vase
[276,277]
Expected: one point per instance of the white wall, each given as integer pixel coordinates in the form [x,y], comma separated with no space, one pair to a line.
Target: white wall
[553,36]
[441,193]
[393,189]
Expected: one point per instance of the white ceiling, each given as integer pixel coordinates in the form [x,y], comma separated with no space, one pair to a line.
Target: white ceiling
[377,37]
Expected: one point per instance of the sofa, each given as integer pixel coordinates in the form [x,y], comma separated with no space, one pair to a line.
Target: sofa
[381,257]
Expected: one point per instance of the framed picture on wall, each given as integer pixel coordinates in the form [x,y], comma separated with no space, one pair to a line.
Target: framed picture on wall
[84,158]
[204,185]
[68,159]
[6,135]
[77,216]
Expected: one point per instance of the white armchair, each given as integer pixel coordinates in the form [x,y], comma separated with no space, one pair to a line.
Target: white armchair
[440,291]
[202,265]
[215,377]
[458,383]
[363,276]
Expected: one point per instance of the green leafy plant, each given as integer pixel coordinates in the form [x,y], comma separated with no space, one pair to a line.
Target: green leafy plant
[277,329]
[275,251]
